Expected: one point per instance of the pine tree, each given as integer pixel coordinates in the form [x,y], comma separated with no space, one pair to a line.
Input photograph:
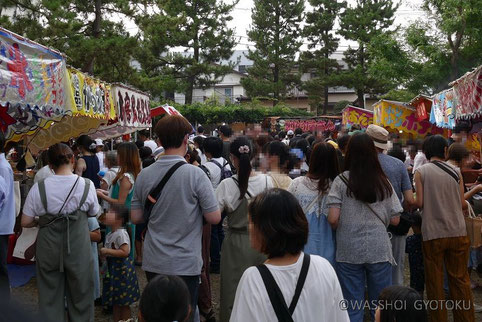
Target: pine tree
[276,32]
[363,23]
[322,44]
[200,26]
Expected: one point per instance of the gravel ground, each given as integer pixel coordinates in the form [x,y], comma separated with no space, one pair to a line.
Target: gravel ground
[28,298]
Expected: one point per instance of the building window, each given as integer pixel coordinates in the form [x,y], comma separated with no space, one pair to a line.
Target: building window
[243,69]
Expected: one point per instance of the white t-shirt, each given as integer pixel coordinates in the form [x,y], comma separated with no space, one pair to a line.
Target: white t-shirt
[419,161]
[110,175]
[319,300]
[43,173]
[115,239]
[215,171]
[227,193]
[203,157]
[57,188]
[151,144]
[101,156]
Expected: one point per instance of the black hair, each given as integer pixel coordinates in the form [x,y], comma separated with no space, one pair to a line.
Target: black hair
[225,130]
[342,141]
[193,155]
[145,152]
[281,135]
[324,166]
[287,160]
[121,212]
[434,146]
[59,154]
[200,129]
[304,146]
[278,217]
[199,140]
[139,144]
[145,133]
[242,149]
[397,153]
[2,142]
[305,135]
[298,131]
[213,146]
[86,143]
[401,304]
[367,182]
[165,298]
[311,139]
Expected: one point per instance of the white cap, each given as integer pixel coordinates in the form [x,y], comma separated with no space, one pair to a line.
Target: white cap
[99,142]
[290,132]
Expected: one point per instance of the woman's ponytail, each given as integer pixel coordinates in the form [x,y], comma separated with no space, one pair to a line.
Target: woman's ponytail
[242,149]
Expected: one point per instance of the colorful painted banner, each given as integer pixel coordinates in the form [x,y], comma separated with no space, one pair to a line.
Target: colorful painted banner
[90,97]
[310,125]
[33,79]
[355,115]
[442,113]
[397,116]
[468,94]
[164,109]
[132,107]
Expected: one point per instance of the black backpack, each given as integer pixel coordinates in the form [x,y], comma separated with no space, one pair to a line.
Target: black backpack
[225,173]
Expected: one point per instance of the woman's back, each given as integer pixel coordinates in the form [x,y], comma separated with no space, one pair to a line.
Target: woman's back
[92,169]
[442,205]
[319,298]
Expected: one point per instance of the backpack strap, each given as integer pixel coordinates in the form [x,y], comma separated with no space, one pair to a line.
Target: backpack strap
[43,194]
[283,313]
[237,183]
[447,170]
[86,192]
[155,193]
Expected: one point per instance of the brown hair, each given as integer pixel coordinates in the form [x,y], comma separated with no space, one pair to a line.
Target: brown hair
[171,131]
[59,154]
[457,152]
[129,160]
[281,222]
[323,166]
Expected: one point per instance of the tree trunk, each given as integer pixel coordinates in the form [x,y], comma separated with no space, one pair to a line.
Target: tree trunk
[325,88]
[192,78]
[361,91]
[89,65]
[276,91]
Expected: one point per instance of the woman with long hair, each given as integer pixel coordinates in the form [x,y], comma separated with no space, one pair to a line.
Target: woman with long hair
[88,165]
[311,191]
[233,196]
[63,202]
[361,205]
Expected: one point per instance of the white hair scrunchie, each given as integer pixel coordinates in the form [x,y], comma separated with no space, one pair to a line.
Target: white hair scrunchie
[244,149]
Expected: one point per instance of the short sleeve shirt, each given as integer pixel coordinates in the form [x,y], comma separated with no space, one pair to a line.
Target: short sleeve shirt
[115,239]
[361,237]
[397,174]
[173,240]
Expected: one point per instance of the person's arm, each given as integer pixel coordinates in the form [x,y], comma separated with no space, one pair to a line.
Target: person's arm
[419,190]
[137,216]
[213,217]
[462,193]
[408,200]
[207,199]
[80,167]
[334,217]
[472,192]
[122,252]
[125,187]
[137,204]
[95,236]
[104,185]
[28,222]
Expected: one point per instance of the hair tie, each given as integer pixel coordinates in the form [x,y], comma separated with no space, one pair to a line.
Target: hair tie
[92,146]
[244,149]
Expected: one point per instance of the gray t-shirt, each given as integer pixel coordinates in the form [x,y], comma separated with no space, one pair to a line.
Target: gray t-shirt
[173,240]
[361,237]
[397,174]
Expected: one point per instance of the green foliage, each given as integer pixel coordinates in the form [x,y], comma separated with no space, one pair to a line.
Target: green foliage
[198,26]
[249,113]
[363,23]
[400,95]
[339,106]
[319,32]
[276,32]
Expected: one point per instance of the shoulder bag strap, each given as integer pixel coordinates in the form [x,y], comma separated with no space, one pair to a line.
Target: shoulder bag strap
[237,183]
[447,170]
[275,296]
[86,192]
[68,196]
[345,180]
[312,204]
[156,192]
[300,283]
[217,163]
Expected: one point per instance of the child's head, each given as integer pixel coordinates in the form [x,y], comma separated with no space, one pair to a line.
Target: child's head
[416,223]
[165,298]
[117,216]
[400,304]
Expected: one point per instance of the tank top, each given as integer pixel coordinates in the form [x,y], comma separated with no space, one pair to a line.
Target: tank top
[92,169]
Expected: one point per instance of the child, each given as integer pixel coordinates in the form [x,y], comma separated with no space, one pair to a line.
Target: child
[165,298]
[400,304]
[415,256]
[120,286]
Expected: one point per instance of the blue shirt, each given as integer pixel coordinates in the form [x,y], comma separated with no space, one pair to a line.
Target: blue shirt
[397,174]
[7,207]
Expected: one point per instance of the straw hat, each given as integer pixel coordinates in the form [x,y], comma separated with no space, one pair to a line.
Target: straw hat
[379,136]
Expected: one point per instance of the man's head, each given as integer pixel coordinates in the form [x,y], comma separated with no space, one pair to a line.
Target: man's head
[225,132]
[144,135]
[200,130]
[379,136]
[2,142]
[290,134]
[173,132]
[213,147]
[298,132]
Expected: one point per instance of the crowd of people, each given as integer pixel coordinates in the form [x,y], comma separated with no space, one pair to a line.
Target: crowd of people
[300,226]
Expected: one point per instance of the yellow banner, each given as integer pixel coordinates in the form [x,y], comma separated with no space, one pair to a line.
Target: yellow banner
[354,115]
[90,97]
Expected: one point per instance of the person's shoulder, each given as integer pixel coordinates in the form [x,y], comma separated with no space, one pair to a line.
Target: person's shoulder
[320,262]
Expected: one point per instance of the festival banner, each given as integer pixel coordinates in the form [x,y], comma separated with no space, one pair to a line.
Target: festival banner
[442,113]
[399,117]
[310,125]
[90,97]
[355,115]
[133,109]
[33,79]
[468,94]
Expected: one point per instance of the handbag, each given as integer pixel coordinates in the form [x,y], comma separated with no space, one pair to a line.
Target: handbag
[473,225]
